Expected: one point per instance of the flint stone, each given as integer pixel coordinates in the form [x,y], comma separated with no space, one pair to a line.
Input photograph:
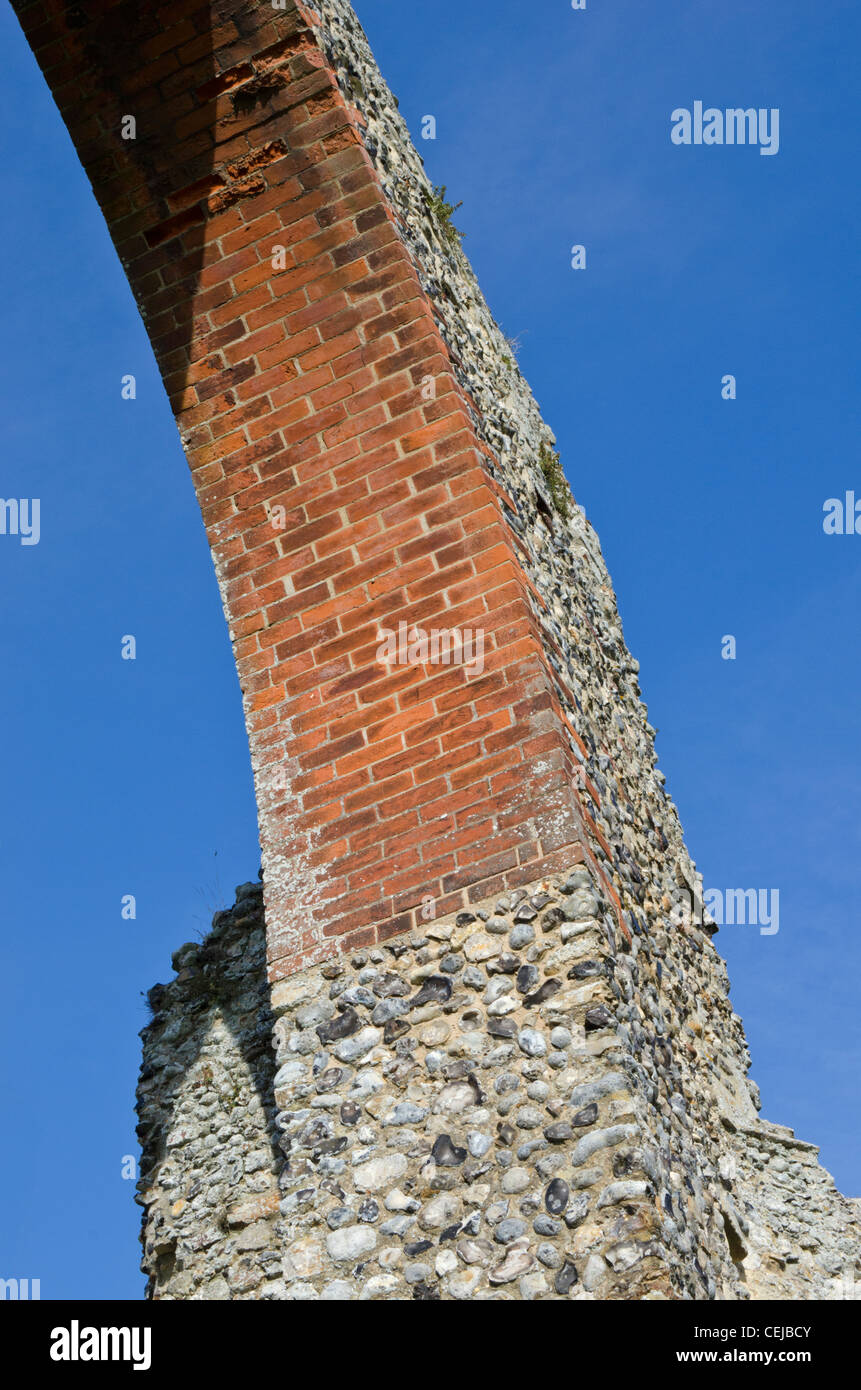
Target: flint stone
[342,1026]
[595,1090]
[587,1116]
[593,1273]
[455,1098]
[577,1211]
[445,1153]
[480,947]
[351,1243]
[497,925]
[527,977]
[623,1192]
[359,995]
[532,1042]
[351,1049]
[542,994]
[518,1261]
[556,1196]
[379,1172]
[508,1230]
[581,905]
[516,1180]
[388,1008]
[558,1133]
[440,1212]
[394,1029]
[406,1113]
[475,1252]
[522,935]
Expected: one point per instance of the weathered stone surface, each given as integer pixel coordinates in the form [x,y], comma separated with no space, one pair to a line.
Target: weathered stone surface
[350,1202]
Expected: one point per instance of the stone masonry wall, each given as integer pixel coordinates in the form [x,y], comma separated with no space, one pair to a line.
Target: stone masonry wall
[462,1114]
[473,1049]
[542,1094]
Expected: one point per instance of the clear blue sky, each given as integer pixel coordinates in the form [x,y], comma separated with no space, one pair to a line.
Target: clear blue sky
[134,777]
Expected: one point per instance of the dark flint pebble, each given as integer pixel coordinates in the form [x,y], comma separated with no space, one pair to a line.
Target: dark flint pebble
[464,919]
[418,1247]
[501,1027]
[470,1226]
[566,1278]
[552,918]
[349,1112]
[435,990]
[587,1116]
[446,1154]
[479,1093]
[556,1196]
[369,1211]
[558,1133]
[341,1027]
[330,1146]
[423,1294]
[584,969]
[598,1018]
[450,1233]
[527,977]
[525,913]
[506,964]
[507,1135]
[394,1029]
[547,991]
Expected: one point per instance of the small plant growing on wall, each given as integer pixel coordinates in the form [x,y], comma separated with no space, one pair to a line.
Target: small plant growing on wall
[442,212]
[557,483]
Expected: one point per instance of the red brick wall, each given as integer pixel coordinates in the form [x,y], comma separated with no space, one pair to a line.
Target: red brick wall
[300,388]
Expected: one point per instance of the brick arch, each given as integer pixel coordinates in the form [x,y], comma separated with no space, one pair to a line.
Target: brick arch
[336,497]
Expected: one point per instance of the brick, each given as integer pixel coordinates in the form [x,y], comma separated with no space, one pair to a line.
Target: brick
[301,389]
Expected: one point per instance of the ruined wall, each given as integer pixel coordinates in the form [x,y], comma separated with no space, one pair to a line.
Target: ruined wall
[462,1114]
[206,1111]
[503,1065]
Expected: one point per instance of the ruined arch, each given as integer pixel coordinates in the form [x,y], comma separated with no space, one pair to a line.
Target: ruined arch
[294,335]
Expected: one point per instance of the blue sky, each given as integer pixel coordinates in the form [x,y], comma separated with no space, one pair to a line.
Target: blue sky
[553,126]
